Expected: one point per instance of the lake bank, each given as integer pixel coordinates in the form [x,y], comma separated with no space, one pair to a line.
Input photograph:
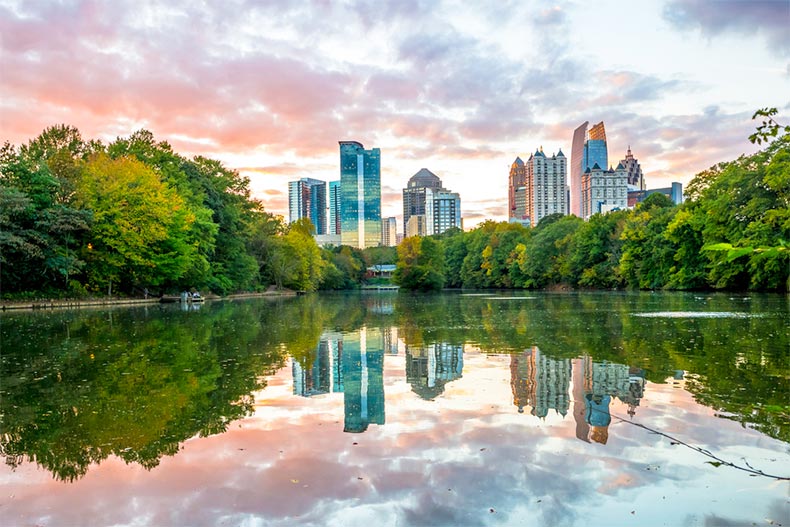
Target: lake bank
[76,303]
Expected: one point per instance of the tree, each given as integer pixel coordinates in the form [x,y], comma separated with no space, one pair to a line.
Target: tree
[137,236]
[420,264]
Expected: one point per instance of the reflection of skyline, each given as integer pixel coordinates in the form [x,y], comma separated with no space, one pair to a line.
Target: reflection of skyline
[351,363]
[540,382]
[363,375]
[325,375]
[429,367]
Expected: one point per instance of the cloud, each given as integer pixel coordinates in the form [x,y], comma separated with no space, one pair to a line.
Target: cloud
[769,18]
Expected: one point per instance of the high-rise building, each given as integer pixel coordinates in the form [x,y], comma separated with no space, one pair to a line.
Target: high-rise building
[604,190]
[360,195]
[546,185]
[517,180]
[307,199]
[334,207]
[442,211]
[589,148]
[428,208]
[540,381]
[636,180]
[414,196]
[389,232]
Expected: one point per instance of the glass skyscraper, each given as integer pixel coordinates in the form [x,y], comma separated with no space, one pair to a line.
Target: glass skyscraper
[307,199]
[588,149]
[360,195]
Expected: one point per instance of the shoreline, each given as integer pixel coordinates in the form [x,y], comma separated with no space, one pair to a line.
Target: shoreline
[76,303]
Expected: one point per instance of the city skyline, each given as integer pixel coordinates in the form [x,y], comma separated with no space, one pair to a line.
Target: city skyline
[265,88]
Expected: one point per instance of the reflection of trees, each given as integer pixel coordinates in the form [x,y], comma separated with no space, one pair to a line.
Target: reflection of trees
[132,383]
[741,365]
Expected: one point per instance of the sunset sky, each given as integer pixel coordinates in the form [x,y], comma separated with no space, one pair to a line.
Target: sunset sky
[460,88]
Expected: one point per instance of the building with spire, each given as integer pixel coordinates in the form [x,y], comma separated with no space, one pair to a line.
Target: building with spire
[307,199]
[636,180]
[588,149]
[546,184]
[428,208]
[360,195]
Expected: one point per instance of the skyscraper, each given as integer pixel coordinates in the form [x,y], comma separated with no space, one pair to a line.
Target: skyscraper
[360,195]
[589,148]
[389,232]
[545,185]
[427,207]
[414,196]
[307,199]
[334,207]
[517,180]
[636,180]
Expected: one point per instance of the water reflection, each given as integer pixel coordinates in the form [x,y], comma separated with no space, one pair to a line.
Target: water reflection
[430,366]
[79,387]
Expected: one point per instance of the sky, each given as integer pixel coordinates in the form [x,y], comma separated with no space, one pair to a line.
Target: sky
[460,88]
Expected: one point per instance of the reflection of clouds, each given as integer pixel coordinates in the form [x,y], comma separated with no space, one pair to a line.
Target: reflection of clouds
[441,462]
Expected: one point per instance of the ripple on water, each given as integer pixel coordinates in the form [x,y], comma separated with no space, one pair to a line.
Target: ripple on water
[511,297]
[697,314]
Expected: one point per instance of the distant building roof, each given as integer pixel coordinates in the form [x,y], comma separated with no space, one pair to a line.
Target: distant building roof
[425,178]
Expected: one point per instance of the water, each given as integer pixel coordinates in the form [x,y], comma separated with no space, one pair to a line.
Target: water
[397,409]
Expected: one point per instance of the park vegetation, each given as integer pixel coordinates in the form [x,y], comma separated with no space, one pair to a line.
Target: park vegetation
[731,233]
[82,218]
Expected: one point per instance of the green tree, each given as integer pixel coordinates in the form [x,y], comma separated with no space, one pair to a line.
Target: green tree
[137,236]
[420,264]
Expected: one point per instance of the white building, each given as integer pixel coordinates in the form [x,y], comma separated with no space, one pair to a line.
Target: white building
[604,190]
[546,185]
[389,232]
[442,210]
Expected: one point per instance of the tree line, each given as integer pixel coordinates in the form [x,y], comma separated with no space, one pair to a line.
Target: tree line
[83,218]
[731,233]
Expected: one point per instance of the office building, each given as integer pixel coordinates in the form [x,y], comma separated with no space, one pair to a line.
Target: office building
[334,208]
[414,198]
[545,190]
[389,232]
[517,181]
[428,208]
[604,190]
[674,193]
[307,199]
[360,195]
[636,179]
[588,149]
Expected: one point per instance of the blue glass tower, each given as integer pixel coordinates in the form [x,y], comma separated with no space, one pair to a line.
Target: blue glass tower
[360,195]
[595,148]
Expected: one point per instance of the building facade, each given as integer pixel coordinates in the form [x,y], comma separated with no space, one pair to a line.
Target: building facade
[588,149]
[428,208]
[389,232]
[307,199]
[360,195]
[546,186]
[516,181]
[636,179]
[604,190]
[334,208]
[414,196]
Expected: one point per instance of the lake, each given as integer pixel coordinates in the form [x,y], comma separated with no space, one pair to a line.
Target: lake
[378,409]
